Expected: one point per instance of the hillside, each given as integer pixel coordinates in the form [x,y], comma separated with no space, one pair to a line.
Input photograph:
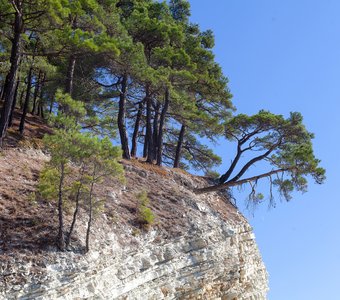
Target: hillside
[199,246]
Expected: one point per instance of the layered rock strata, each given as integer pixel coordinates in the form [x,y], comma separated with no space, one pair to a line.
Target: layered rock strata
[200,248]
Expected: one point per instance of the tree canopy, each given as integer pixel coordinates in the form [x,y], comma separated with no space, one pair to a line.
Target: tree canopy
[142,73]
[284,144]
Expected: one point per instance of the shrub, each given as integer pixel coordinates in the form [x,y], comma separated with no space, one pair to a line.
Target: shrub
[146,216]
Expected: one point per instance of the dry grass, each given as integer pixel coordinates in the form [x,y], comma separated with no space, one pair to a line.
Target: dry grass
[182,171]
[35,129]
[24,222]
[30,223]
[31,143]
[141,163]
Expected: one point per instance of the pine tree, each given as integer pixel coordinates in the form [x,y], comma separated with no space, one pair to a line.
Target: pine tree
[284,144]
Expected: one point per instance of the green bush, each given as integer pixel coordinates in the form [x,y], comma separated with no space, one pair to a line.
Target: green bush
[146,215]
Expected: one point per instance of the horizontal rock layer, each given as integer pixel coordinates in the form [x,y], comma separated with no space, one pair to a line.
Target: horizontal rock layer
[210,254]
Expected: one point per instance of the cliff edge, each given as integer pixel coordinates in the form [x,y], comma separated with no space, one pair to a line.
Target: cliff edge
[200,246]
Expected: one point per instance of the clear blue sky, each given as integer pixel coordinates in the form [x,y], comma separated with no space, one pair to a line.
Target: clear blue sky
[284,56]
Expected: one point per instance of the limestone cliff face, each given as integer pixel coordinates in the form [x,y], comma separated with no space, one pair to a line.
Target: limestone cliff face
[200,248]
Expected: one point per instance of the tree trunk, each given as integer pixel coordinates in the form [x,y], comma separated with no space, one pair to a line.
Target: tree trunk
[41,110]
[70,74]
[27,99]
[136,129]
[75,215]
[161,127]
[155,130]
[2,91]
[228,184]
[122,119]
[41,98]
[226,175]
[21,99]
[76,210]
[88,231]
[61,238]
[11,77]
[10,120]
[51,106]
[179,146]
[89,223]
[253,161]
[149,135]
[146,145]
[69,81]
[36,92]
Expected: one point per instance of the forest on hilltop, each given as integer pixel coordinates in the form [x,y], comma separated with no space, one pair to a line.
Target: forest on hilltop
[136,65]
[142,73]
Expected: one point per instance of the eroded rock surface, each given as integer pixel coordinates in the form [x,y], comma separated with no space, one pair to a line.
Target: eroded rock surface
[200,248]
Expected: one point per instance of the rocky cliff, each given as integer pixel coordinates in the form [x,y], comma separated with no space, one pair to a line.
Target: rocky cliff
[200,247]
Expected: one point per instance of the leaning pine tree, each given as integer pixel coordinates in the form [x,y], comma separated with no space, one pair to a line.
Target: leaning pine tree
[284,144]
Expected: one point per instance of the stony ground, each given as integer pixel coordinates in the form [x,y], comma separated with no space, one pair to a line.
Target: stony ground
[198,245]
[28,225]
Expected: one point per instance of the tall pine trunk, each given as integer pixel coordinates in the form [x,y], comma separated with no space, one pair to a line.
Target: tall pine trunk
[41,98]
[51,106]
[155,129]
[10,120]
[68,82]
[28,92]
[2,91]
[161,127]
[41,110]
[9,90]
[146,145]
[36,92]
[136,129]
[149,135]
[70,74]
[122,119]
[179,146]
[21,98]
[27,100]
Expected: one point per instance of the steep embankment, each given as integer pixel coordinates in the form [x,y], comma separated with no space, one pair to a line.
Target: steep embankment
[201,247]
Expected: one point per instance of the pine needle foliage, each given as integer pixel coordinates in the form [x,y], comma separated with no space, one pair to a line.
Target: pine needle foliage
[79,161]
[146,216]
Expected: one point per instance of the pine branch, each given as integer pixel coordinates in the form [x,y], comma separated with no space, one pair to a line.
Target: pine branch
[229,184]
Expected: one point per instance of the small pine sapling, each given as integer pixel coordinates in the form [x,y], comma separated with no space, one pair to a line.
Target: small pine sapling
[145,214]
